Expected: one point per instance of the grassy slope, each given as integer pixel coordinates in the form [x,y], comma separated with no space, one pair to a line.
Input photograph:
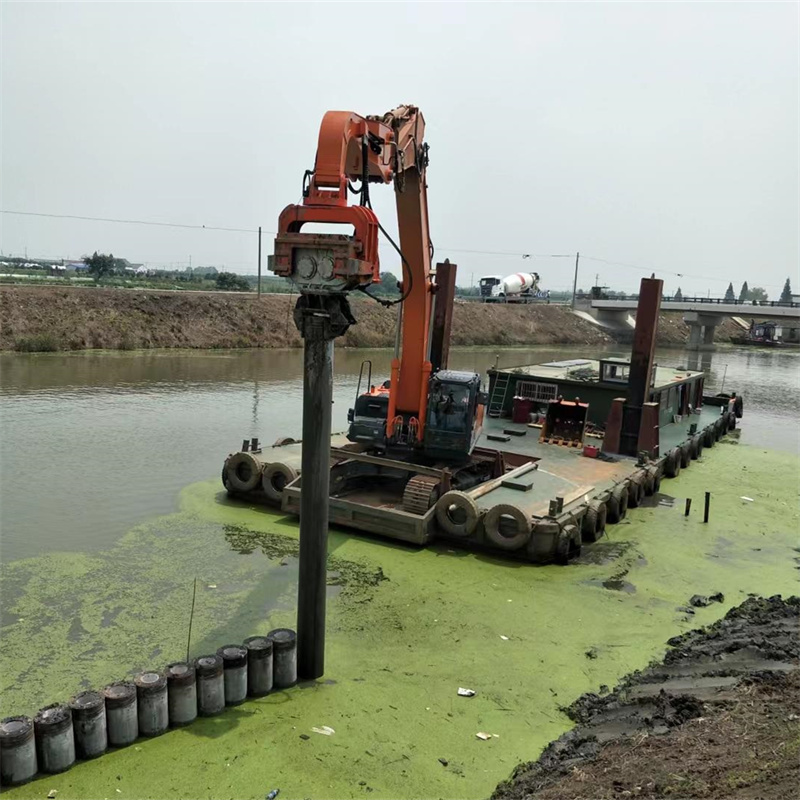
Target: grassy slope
[397,651]
[52,318]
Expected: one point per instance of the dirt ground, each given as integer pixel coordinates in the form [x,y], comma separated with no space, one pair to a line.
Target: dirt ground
[44,318]
[718,719]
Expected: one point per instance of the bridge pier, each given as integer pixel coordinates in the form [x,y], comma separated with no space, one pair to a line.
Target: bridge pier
[701,330]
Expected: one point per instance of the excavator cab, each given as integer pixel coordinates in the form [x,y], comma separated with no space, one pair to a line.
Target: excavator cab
[368,418]
[454,415]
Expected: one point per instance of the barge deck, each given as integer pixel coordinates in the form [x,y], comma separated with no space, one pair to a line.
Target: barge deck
[548,500]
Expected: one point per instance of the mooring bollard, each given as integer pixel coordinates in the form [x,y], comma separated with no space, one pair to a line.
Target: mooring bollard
[284,657]
[210,685]
[89,724]
[151,699]
[122,721]
[54,737]
[17,751]
[259,665]
[234,664]
[182,694]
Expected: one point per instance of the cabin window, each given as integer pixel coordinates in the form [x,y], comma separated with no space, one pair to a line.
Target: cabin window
[541,392]
[615,373]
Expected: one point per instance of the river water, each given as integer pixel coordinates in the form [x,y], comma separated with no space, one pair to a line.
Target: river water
[94,443]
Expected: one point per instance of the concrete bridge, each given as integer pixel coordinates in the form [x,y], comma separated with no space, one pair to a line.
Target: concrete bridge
[701,314]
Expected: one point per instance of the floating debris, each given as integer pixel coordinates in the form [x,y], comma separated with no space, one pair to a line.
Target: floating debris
[325,730]
[483,735]
[701,601]
[462,692]
[504,638]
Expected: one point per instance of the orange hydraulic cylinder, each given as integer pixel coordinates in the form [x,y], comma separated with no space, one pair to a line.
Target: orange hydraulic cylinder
[423,397]
[393,379]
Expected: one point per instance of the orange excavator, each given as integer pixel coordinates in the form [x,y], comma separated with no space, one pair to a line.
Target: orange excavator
[424,411]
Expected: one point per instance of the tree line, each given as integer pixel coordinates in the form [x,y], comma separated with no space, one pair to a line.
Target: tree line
[746,294]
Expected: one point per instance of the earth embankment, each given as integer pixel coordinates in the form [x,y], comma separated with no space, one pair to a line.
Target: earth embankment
[55,318]
[716,719]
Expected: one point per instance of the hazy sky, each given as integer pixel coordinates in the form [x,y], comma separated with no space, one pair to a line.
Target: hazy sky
[659,135]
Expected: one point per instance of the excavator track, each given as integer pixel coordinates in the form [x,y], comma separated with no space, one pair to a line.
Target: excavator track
[420,494]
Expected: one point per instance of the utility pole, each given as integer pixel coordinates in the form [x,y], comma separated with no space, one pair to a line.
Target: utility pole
[575,281]
[259,261]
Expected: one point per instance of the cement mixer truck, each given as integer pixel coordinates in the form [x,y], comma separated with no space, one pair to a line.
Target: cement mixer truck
[521,287]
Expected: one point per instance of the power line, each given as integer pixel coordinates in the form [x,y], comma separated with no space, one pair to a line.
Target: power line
[652,269]
[133,222]
[447,249]
[507,253]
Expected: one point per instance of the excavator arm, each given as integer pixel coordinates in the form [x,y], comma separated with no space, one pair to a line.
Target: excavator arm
[377,149]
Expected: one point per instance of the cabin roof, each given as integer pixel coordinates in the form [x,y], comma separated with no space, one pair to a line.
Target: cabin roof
[587,371]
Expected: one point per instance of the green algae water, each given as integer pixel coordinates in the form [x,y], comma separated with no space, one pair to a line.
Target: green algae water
[92,598]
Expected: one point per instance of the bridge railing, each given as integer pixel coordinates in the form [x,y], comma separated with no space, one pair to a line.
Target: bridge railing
[705,300]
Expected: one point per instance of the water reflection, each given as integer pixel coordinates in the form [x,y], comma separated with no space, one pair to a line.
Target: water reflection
[92,443]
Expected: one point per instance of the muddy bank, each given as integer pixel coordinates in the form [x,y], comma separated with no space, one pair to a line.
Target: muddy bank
[51,318]
[717,718]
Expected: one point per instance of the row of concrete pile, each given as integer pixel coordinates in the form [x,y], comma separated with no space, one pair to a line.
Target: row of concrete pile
[148,706]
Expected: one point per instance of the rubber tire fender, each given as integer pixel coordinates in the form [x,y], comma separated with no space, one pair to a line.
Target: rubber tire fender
[719,428]
[225,481]
[278,472]
[635,491]
[617,504]
[491,524]
[563,547]
[466,504]
[594,521]
[738,406]
[249,481]
[708,436]
[731,420]
[686,454]
[656,473]
[697,445]
[672,466]
[649,482]
[575,541]
[282,441]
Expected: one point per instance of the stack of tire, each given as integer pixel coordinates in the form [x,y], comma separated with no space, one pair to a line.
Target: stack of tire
[244,473]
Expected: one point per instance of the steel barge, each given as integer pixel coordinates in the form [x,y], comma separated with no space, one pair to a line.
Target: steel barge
[553,486]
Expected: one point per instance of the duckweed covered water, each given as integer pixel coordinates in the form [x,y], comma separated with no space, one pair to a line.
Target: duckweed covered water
[409,627]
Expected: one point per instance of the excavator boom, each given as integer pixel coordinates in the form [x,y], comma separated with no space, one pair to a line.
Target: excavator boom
[367,150]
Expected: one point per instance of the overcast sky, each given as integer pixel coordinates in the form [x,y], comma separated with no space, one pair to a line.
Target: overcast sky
[658,135]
